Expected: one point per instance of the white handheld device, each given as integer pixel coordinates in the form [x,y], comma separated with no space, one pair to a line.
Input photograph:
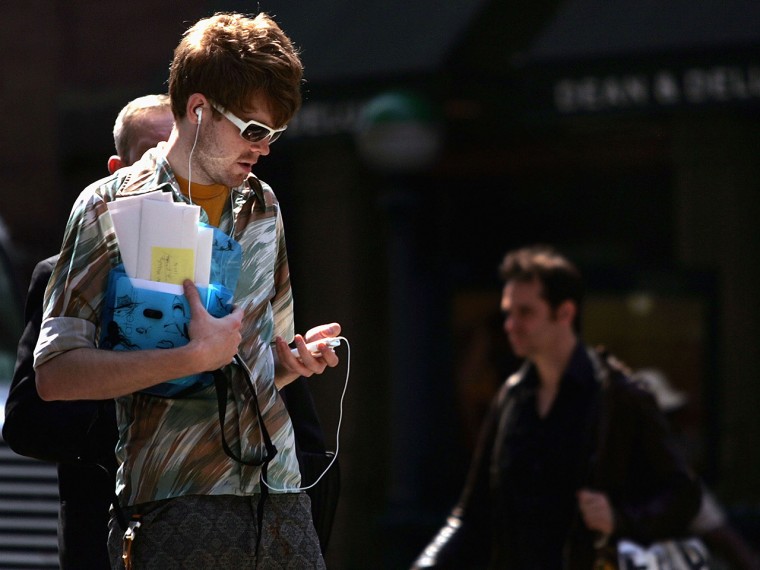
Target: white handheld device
[314,345]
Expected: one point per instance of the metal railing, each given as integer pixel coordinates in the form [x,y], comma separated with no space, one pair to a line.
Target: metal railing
[28,512]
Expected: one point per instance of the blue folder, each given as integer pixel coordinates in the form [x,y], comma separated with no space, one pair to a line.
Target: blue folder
[135,318]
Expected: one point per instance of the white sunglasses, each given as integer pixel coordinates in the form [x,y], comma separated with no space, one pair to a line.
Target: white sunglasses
[252,131]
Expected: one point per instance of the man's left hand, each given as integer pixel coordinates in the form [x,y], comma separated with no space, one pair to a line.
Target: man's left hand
[290,367]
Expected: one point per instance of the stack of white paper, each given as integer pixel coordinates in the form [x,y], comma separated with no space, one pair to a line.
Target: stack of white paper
[160,239]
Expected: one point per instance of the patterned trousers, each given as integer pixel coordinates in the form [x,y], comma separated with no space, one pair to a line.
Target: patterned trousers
[220,532]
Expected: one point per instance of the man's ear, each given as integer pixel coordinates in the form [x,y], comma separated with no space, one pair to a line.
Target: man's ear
[566,311]
[194,102]
[115,163]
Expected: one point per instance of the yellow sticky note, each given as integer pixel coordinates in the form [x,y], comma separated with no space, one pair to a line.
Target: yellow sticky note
[172,264]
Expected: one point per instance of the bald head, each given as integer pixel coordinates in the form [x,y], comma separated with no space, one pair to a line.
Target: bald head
[141,125]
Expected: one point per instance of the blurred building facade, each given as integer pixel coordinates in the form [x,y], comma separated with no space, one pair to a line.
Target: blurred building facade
[627,136]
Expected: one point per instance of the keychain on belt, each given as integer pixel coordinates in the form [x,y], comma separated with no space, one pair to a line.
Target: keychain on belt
[129,538]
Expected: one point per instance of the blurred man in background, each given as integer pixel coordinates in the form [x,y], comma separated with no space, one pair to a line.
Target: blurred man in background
[45,430]
[542,493]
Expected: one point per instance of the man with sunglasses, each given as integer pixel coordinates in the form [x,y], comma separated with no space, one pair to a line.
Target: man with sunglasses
[234,84]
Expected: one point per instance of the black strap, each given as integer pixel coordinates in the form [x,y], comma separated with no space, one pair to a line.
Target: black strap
[595,439]
[506,412]
[220,381]
[118,512]
[594,429]
[103,413]
[607,368]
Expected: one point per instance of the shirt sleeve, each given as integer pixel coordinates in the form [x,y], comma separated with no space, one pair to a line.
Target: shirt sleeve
[282,303]
[76,290]
[655,494]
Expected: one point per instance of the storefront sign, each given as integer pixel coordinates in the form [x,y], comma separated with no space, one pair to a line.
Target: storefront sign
[325,118]
[661,88]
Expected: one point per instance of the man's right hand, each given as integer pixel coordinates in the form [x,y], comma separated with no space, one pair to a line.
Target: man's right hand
[214,340]
[78,373]
[597,511]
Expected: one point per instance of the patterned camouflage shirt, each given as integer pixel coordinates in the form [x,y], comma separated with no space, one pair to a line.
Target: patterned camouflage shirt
[172,447]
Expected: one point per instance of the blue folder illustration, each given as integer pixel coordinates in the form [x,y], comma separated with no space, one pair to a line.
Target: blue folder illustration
[136,318]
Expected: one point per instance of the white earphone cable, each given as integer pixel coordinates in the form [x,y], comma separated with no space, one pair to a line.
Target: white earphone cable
[337,434]
[190,163]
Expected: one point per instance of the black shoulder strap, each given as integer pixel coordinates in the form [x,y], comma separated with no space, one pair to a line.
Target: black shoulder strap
[506,404]
[607,369]
[593,442]
[221,380]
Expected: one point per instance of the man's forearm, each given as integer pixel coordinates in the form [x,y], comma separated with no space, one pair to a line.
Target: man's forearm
[94,374]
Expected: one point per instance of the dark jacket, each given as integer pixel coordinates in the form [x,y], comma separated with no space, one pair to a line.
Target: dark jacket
[635,463]
[55,431]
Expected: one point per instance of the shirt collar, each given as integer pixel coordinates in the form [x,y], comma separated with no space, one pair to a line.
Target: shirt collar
[579,371]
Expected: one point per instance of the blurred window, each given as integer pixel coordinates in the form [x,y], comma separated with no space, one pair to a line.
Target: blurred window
[11,315]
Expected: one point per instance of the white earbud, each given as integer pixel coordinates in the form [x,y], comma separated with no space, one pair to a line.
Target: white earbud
[199,114]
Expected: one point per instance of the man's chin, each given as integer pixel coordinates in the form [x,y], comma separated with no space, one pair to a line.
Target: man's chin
[233,180]
[523,349]
[519,351]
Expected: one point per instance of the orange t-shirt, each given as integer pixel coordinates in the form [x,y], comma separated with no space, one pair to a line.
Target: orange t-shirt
[210,197]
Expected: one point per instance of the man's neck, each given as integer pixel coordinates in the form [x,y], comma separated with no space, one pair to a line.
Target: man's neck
[552,365]
[178,153]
